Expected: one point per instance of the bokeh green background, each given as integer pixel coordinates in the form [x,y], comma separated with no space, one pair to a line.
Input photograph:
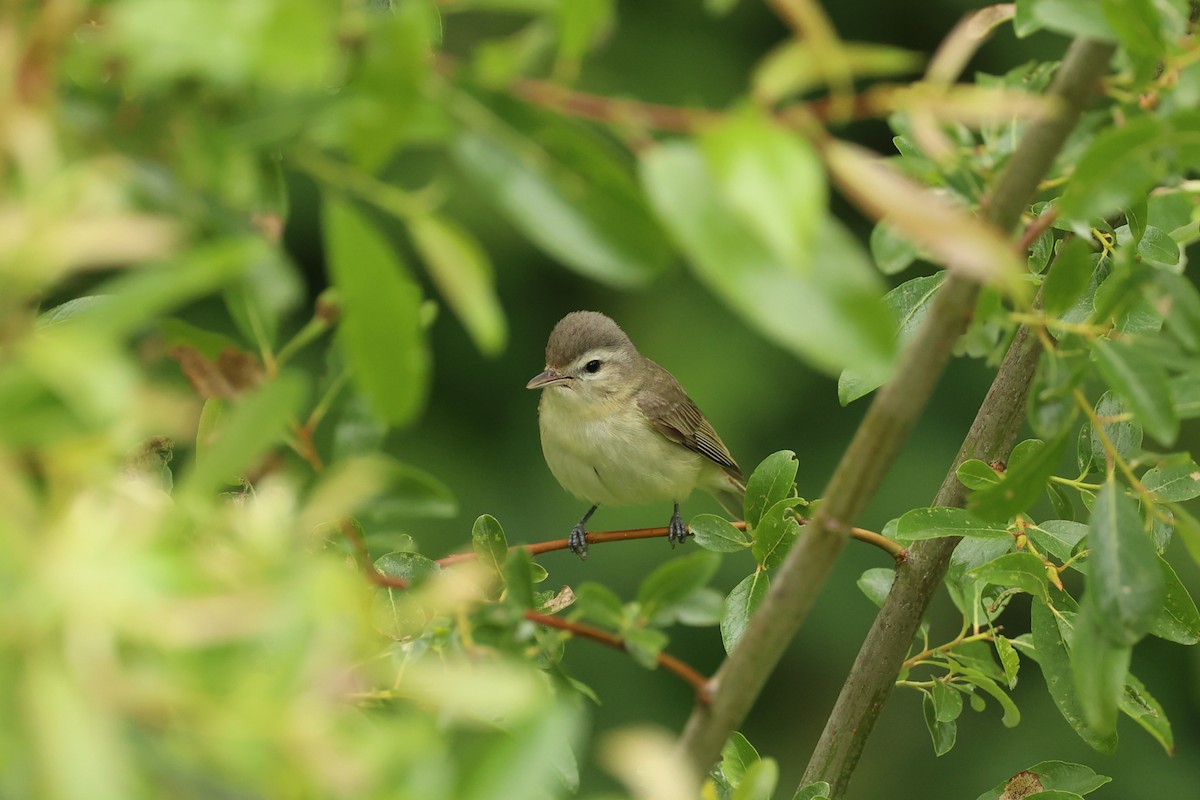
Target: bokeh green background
[480,435]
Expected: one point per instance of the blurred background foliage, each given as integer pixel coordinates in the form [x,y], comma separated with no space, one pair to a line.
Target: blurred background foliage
[151,123]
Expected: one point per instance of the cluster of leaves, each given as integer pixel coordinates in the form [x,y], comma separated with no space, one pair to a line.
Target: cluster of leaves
[1120,328]
[204,634]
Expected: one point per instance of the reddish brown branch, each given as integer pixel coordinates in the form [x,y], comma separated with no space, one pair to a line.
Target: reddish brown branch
[892,548]
[668,662]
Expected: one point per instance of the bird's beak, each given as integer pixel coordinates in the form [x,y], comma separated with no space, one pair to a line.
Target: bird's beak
[547,378]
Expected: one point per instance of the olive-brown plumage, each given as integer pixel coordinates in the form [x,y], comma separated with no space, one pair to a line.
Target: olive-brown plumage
[618,429]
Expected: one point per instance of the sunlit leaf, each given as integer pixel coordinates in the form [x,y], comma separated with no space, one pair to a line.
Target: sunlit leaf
[772,179]
[828,311]
[379,330]
[463,274]
[579,207]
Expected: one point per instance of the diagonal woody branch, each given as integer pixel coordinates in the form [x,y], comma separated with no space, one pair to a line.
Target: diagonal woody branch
[884,428]
[990,437]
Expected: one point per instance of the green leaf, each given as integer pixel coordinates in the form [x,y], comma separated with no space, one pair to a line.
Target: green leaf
[379,329]
[1181,299]
[740,604]
[1177,619]
[909,302]
[758,783]
[1072,17]
[876,582]
[702,608]
[1185,395]
[463,274]
[715,533]
[1051,405]
[573,200]
[932,523]
[1100,666]
[489,543]
[1141,383]
[1157,246]
[1023,571]
[411,493]
[795,67]
[947,702]
[644,644]
[1053,776]
[976,474]
[600,604]
[268,289]
[674,580]
[410,567]
[1012,715]
[1187,528]
[777,531]
[1124,162]
[828,310]
[228,443]
[943,734]
[771,179]
[1140,706]
[1068,278]
[1010,662]
[1023,482]
[819,790]
[529,760]
[1125,435]
[1060,499]
[518,577]
[1176,483]
[1138,27]
[772,480]
[891,251]
[1050,650]
[1125,586]
[737,756]
[1057,536]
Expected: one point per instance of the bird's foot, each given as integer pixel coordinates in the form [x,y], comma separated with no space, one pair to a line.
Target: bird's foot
[577,541]
[677,532]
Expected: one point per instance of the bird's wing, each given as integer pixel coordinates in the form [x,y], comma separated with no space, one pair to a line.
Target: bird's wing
[675,416]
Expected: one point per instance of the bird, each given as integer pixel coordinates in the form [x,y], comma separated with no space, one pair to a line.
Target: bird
[618,429]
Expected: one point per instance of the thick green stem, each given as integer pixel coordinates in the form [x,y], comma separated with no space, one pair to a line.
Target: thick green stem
[875,670]
[799,580]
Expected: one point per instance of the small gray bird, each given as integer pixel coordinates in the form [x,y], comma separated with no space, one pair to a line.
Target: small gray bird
[619,429]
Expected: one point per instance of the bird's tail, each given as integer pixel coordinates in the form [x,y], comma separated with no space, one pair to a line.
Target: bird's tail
[731,494]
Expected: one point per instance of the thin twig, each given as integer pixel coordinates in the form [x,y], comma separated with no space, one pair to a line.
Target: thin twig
[668,662]
[677,667]
[889,546]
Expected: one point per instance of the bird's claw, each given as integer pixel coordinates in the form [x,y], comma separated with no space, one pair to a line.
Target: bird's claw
[677,532]
[577,542]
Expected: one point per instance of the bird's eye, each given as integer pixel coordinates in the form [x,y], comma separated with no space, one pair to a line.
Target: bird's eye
[593,365]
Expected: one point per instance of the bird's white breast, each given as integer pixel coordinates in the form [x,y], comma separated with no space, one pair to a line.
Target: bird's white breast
[609,454]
